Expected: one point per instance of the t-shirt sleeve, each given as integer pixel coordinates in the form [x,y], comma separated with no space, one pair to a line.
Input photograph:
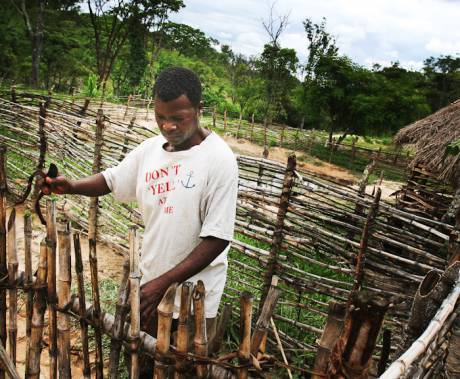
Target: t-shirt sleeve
[122,179]
[220,200]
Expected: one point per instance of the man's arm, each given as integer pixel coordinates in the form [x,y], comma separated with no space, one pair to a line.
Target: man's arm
[93,186]
[200,257]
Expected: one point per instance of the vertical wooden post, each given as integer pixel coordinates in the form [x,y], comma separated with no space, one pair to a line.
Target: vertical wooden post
[148,108]
[244,350]
[13,94]
[252,128]
[275,248]
[225,120]
[201,339]
[182,327]
[379,152]
[353,150]
[65,279]
[119,322]
[265,132]
[239,125]
[92,239]
[38,316]
[51,284]
[82,306]
[28,279]
[13,291]
[165,314]
[134,289]
[8,364]
[3,254]
[127,107]
[282,135]
[126,141]
[214,117]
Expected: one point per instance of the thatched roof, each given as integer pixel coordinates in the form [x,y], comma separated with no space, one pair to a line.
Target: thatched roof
[430,137]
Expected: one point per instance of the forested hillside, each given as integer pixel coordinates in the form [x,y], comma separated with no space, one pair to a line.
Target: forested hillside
[116,48]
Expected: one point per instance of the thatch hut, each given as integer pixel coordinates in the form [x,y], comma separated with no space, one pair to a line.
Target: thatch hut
[435,175]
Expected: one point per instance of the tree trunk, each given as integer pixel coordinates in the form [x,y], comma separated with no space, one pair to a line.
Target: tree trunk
[37,46]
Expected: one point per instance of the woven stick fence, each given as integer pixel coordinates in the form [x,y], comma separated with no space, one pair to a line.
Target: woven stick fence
[321,226]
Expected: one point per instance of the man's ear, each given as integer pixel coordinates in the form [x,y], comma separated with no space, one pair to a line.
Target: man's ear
[200,107]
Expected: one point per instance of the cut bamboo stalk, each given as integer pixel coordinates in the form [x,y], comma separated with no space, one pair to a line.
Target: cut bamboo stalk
[12,292]
[331,332]
[28,279]
[51,239]
[432,290]
[200,340]
[65,279]
[222,324]
[120,317]
[82,308]
[244,350]
[7,363]
[165,314]
[263,322]
[3,252]
[134,289]
[38,316]
[183,328]
[92,240]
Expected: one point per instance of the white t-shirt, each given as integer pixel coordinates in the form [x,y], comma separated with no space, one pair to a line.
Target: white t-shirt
[182,196]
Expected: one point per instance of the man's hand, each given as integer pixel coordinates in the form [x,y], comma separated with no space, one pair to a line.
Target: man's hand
[59,185]
[151,294]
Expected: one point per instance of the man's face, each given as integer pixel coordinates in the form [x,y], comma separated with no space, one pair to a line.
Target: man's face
[178,122]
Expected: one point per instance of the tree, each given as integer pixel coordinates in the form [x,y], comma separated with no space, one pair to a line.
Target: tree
[110,24]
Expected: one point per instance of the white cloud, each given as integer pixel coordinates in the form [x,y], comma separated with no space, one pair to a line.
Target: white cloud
[367,31]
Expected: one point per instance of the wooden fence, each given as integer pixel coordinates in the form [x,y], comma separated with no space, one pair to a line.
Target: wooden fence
[325,242]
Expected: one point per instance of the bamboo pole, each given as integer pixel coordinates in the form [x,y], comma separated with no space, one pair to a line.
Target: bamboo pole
[244,350]
[38,316]
[120,317]
[92,239]
[183,328]
[165,313]
[3,252]
[272,262]
[28,279]
[134,289]
[222,324]
[225,120]
[13,291]
[7,363]
[51,284]
[252,128]
[65,279]
[419,346]
[201,339]
[82,308]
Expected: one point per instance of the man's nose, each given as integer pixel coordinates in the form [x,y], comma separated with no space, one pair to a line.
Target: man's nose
[169,126]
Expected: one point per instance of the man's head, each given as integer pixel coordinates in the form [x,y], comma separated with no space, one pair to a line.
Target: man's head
[177,107]
[176,81]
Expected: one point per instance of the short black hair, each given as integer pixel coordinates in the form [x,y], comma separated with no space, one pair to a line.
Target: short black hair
[176,81]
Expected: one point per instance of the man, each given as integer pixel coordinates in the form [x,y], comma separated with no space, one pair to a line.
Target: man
[185,182]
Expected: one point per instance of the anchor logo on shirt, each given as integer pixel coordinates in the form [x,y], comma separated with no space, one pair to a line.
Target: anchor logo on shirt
[189,177]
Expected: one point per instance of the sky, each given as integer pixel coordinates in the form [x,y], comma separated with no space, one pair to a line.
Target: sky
[372,31]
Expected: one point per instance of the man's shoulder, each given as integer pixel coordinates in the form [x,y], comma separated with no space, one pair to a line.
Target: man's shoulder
[220,148]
